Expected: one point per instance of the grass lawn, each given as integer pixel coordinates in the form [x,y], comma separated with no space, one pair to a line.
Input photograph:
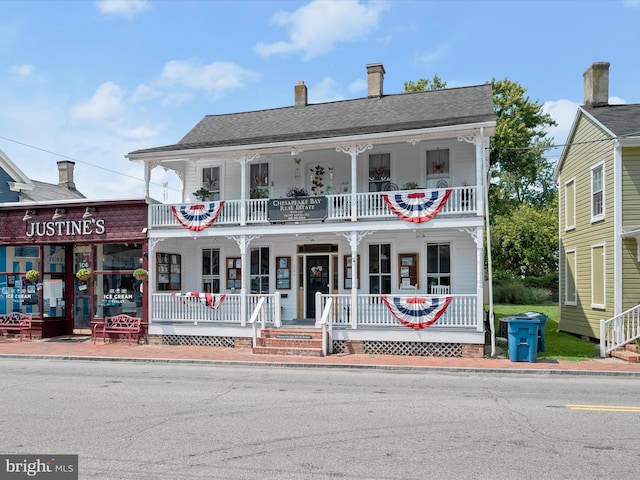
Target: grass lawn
[559,345]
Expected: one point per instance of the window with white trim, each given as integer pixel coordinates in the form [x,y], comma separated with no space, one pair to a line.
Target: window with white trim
[211,270]
[598,274]
[597,192]
[379,172]
[380,268]
[438,265]
[211,182]
[259,181]
[259,268]
[570,204]
[570,286]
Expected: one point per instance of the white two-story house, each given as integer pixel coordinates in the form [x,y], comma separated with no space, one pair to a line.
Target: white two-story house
[368,214]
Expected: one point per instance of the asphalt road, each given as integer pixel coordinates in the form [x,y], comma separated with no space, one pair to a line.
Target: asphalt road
[172,421]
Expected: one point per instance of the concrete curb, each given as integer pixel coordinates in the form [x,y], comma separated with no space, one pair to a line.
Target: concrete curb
[440,369]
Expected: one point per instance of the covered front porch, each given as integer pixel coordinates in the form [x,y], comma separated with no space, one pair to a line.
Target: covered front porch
[454,325]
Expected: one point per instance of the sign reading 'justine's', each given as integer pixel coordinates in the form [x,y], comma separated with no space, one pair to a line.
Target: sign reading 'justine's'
[66,228]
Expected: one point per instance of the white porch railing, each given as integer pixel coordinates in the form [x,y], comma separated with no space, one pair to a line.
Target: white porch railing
[619,330]
[167,308]
[463,200]
[461,313]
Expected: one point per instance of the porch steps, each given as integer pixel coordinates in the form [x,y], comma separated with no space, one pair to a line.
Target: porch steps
[294,342]
[630,353]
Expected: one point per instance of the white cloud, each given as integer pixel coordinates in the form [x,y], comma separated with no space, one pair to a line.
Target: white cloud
[617,100]
[23,70]
[138,133]
[358,86]
[317,27]
[442,51]
[180,79]
[122,8]
[632,3]
[563,112]
[106,103]
[325,91]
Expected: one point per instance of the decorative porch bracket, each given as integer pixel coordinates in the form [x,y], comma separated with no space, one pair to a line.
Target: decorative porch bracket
[354,239]
[353,151]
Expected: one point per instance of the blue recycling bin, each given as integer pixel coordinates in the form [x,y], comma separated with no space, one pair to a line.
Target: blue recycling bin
[526,337]
[523,340]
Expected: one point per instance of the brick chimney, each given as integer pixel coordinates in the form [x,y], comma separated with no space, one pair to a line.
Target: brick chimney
[65,174]
[596,84]
[375,74]
[301,94]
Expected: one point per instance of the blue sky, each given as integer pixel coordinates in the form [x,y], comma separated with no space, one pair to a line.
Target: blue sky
[94,80]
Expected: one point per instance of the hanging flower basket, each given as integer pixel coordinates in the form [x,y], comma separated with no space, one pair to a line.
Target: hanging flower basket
[140,274]
[83,274]
[32,275]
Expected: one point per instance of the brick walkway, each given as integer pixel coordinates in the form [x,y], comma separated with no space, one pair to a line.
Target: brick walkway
[47,348]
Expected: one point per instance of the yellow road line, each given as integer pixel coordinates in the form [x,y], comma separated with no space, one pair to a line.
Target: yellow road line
[605,408]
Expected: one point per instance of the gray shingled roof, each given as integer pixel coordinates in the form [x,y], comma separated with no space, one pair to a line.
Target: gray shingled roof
[47,191]
[623,120]
[389,113]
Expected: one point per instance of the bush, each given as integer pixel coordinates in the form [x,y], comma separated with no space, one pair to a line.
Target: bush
[548,282]
[515,292]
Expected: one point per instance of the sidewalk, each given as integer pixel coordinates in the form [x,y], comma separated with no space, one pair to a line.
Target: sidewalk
[86,350]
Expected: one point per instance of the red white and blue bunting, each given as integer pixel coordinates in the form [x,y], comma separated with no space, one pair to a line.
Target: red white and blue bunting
[197,217]
[417,312]
[209,299]
[417,206]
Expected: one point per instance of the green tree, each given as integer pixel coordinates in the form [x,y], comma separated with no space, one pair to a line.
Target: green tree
[522,196]
[520,172]
[525,240]
[425,84]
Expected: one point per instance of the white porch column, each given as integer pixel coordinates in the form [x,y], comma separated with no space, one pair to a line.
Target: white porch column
[153,274]
[243,242]
[478,237]
[243,159]
[353,151]
[354,239]
[147,178]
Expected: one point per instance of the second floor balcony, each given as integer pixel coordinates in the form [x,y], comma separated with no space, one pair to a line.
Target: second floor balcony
[362,206]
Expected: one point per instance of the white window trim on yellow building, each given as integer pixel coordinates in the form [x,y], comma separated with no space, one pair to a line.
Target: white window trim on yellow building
[570,204]
[598,283]
[570,257]
[599,216]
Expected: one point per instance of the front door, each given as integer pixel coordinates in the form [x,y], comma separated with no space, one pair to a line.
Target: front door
[82,290]
[317,280]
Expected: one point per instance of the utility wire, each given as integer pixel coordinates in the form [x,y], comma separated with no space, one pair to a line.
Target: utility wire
[83,162]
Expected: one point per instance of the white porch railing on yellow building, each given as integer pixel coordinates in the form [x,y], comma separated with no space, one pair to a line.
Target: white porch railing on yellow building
[372,312]
[619,330]
[463,200]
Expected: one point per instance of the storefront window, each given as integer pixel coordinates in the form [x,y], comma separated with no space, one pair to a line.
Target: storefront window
[19,292]
[115,289]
